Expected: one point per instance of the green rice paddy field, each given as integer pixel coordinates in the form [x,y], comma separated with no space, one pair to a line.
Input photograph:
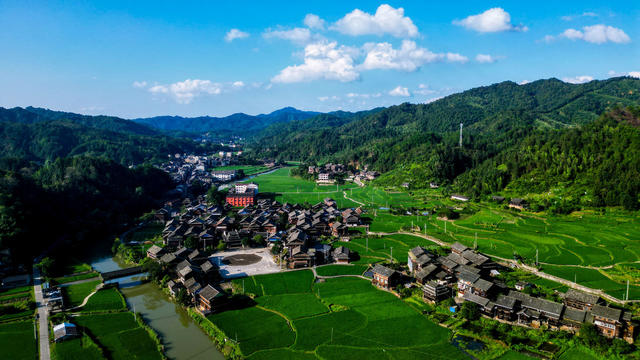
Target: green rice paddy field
[17,341]
[341,318]
[247,169]
[585,239]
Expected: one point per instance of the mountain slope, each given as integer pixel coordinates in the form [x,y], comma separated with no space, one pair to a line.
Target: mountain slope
[239,122]
[418,143]
[31,115]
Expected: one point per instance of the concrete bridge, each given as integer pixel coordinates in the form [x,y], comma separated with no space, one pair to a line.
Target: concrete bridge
[110,275]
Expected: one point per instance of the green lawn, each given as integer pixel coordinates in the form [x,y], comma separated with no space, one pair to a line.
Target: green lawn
[296,190]
[119,335]
[247,169]
[17,341]
[291,320]
[105,300]
[76,349]
[333,270]
[75,294]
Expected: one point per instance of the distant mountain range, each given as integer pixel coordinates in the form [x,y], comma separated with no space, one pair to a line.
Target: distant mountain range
[238,123]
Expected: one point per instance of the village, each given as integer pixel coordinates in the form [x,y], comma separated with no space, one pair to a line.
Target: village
[287,237]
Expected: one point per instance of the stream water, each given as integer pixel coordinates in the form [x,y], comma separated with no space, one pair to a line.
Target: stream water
[183,339]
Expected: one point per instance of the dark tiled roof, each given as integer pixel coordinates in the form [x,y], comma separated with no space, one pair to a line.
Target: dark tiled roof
[482,301]
[506,301]
[383,270]
[468,277]
[575,315]
[550,308]
[576,295]
[209,293]
[155,249]
[483,285]
[426,271]
[606,312]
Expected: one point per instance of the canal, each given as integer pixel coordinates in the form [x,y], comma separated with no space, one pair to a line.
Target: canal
[181,337]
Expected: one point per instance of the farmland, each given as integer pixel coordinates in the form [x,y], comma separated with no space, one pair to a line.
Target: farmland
[75,293]
[16,303]
[17,341]
[585,239]
[296,190]
[105,300]
[119,335]
[247,169]
[338,318]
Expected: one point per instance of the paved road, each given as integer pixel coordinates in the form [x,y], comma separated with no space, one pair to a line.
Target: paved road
[43,317]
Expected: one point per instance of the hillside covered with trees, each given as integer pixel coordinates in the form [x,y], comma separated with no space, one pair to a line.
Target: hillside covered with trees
[418,143]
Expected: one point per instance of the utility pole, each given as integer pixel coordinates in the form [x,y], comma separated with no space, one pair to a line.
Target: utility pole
[391,254]
[445,227]
[242,288]
[460,135]
[331,335]
[475,242]
[367,243]
[627,297]
[135,317]
[575,278]
[425,229]
[536,256]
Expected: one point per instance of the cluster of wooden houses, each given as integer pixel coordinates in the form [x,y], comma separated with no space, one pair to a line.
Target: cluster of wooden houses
[326,174]
[468,275]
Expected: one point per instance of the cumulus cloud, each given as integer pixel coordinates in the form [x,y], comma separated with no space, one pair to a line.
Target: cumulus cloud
[486,58]
[596,34]
[400,91]
[409,57]
[313,21]
[634,74]
[139,84]
[322,60]
[363,96]
[183,92]
[577,79]
[296,35]
[235,34]
[386,20]
[492,20]
[524,82]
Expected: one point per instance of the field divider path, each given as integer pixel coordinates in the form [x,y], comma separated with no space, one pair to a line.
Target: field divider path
[355,201]
[528,268]
[86,299]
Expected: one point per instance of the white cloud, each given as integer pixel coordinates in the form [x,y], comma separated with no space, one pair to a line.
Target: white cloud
[235,34]
[299,36]
[492,20]
[424,90]
[139,84]
[322,60]
[363,96]
[400,91]
[596,34]
[577,79]
[584,14]
[486,58]
[524,82]
[183,92]
[314,22]
[429,101]
[634,74]
[327,98]
[386,20]
[409,57]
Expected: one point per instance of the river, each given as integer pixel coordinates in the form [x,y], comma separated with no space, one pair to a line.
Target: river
[182,338]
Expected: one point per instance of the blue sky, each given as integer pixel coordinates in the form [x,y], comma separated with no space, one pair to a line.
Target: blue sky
[146,58]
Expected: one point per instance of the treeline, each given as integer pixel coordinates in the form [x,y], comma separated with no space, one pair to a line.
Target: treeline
[79,201]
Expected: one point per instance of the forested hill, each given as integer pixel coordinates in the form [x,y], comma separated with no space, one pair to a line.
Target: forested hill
[380,138]
[592,165]
[32,115]
[39,135]
[237,124]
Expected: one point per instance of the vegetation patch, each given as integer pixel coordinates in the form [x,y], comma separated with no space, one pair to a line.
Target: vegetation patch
[17,341]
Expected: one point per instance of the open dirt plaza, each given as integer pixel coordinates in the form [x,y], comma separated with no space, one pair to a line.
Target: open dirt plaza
[244,262]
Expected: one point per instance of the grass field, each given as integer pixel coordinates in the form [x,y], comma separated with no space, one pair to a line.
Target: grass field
[75,294]
[247,169]
[339,318]
[76,349]
[17,341]
[296,190]
[333,270]
[105,300]
[120,336]
[381,248]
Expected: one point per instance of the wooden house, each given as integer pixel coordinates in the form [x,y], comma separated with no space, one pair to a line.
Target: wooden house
[505,307]
[580,300]
[155,252]
[210,299]
[433,291]
[384,277]
[342,255]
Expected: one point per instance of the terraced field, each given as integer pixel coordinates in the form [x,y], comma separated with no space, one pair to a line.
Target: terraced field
[339,318]
[17,341]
